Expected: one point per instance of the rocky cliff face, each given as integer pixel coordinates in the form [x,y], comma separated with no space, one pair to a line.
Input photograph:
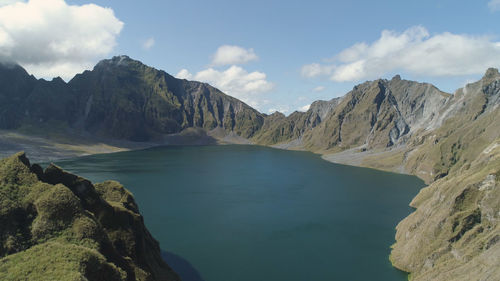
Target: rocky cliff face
[58,226]
[278,129]
[455,230]
[122,98]
[375,114]
[16,85]
[454,233]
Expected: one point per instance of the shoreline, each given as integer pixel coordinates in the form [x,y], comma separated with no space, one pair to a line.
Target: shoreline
[43,149]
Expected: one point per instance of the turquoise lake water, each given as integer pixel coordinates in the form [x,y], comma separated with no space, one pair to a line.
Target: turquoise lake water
[238,213]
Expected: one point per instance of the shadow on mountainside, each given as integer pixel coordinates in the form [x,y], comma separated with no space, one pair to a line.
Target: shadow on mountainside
[181,266]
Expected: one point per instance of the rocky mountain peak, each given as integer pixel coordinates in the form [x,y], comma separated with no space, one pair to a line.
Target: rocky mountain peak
[58,80]
[115,61]
[122,59]
[277,114]
[8,64]
[491,73]
[12,68]
[397,77]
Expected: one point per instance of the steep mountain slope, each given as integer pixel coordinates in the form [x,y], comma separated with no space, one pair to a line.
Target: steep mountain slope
[15,84]
[375,114]
[459,129]
[278,129]
[123,99]
[454,233]
[58,226]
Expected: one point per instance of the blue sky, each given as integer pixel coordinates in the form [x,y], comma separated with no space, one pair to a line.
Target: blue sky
[280,55]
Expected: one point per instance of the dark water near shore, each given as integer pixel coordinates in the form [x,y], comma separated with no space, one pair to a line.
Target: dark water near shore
[237,213]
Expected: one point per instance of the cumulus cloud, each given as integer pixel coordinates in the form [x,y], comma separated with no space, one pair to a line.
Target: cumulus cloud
[305,108]
[282,108]
[316,69]
[51,38]
[8,2]
[228,54]
[148,44]
[234,81]
[414,51]
[184,74]
[319,89]
[494,5]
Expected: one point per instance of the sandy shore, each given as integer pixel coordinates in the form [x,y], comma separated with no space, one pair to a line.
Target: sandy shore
[386,159]
[46,149]
[50,147]
[40,149]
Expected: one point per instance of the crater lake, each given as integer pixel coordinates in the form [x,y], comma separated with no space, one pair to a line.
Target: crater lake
[241,212]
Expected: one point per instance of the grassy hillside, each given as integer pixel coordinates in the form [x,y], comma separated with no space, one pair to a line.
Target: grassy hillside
[58,226]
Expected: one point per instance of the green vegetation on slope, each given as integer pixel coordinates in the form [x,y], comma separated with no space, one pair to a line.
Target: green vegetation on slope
[454,232]
[58,226]
[121,98]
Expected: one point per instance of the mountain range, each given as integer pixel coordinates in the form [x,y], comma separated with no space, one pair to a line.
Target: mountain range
[451,141]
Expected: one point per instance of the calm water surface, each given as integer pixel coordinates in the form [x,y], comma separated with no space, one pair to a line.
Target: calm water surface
[237,213]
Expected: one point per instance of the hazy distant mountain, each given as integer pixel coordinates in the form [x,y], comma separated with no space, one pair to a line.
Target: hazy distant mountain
[452,141]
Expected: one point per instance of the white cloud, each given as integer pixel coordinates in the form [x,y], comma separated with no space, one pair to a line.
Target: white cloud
[305,108]
[316,69]
[234,81]
[494,5]
[8,2]
[283,109]
[148,44]
[319,89]
[237,82]
[228,54]
[414,51]
[184,74]
[51,38]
